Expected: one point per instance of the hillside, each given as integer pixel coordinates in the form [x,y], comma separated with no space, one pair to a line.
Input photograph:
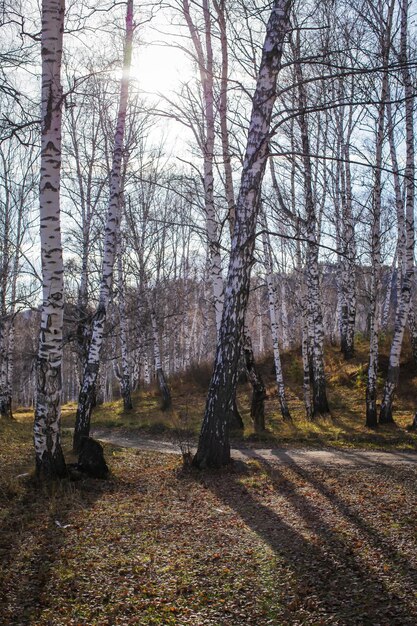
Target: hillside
[346,391]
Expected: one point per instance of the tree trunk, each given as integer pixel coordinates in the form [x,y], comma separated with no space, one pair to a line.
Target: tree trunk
[371,388]
[50,461]
[315,318]
[306,368]
[412,325]
[349,245]
[166,401]
[205,67]
[254,376]
[85,400]
[406,241]
[257,410]
[125,389]
[214,446]
[5,391]
[273,318]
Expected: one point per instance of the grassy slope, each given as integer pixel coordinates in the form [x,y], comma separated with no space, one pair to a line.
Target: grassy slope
[346,389]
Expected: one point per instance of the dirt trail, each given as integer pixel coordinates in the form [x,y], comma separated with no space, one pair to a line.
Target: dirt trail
[353,458]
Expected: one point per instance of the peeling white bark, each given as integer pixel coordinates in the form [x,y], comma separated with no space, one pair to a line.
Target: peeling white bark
[406,238]
[214,446]
[159,371]
[85,401]
[125,380]
[47,425]
[315,318]
[371,388]
[272,298]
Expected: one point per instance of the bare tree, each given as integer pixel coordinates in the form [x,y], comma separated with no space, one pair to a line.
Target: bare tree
[85,402]
[47,432]
[406,238]
[214,446]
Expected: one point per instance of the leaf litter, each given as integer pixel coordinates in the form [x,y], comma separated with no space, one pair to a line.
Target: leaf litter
[257,544]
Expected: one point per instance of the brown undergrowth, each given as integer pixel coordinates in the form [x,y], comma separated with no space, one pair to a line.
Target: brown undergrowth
[256,544]
[345,427]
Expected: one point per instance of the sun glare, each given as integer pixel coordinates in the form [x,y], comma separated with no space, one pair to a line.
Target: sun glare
[159,68]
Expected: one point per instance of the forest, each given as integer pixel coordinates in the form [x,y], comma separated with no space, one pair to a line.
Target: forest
[208,312]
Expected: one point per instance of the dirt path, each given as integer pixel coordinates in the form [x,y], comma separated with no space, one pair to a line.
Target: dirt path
[353,458]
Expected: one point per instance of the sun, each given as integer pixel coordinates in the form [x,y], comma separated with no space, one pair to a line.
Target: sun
[159,68]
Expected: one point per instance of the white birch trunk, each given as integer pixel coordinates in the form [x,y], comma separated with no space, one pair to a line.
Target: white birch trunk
[306,366]
[255,378]
[5,398]
[136,366]
[47,426]
[371,388]
[315,317]
[385,309]
[349,269]
[260,326]
[86,397]
[286,339]
[205,66]
[159,372]
[272,299]
[125,384]
[406,241]
[146,370]
[223,109]
[214,445]
[412,325]
[11,330]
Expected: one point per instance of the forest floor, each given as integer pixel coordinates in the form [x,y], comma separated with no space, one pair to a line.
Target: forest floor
[320,532]
[343,428]
[260,543]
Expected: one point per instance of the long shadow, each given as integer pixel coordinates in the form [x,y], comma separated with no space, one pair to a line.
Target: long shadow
[352,458]
[31,539]
[327,571]
[376,539]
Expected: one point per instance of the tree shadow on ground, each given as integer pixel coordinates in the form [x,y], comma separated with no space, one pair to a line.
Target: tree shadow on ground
[376,539]
[33,533]
[333,583]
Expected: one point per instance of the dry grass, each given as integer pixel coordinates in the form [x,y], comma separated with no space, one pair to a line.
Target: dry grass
[255,545]
[344,428]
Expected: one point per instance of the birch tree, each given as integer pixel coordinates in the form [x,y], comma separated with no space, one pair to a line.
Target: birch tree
[214,447]
[85,177]
[47,427]
[203,50]
[17,196]
[86,397]
[124,376]
[272,301]
[371,387]
[406,238]
[314,313]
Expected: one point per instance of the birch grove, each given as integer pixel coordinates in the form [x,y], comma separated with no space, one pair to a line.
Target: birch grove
[268,209]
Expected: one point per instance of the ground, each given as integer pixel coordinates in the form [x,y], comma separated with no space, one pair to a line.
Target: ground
[321,533]
[263,542]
